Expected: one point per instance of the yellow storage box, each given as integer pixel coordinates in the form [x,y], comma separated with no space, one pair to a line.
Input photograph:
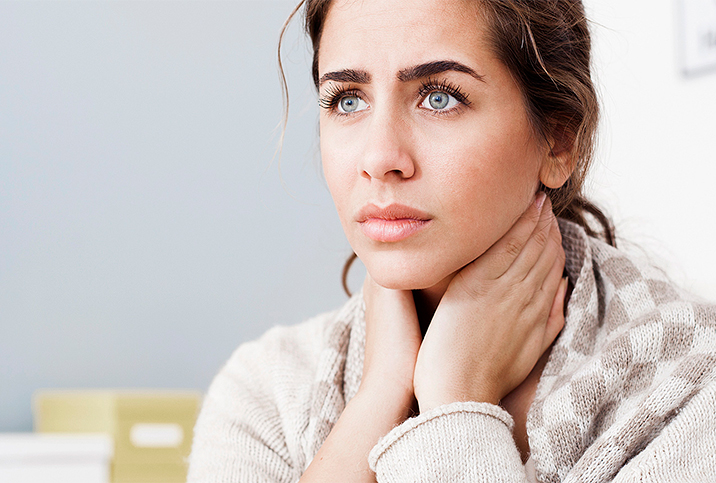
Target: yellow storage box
[152,430]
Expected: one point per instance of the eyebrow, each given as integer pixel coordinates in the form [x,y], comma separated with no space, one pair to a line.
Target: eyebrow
[436,67]
[405,75]
[346,75]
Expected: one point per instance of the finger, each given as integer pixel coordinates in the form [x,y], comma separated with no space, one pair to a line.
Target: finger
[534,250]
[551,252]
[500,256]
[551,281]
[548,288]
[555,322]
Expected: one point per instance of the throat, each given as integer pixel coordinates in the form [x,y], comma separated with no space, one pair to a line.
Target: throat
[425,309]
[427,301]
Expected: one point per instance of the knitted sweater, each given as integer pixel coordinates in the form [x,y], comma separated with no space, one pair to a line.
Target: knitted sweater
[628,394]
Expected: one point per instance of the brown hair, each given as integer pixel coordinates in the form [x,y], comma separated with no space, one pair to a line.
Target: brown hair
[546,45]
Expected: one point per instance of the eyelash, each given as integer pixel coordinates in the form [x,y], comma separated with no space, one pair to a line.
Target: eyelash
[334,94]
[431,85]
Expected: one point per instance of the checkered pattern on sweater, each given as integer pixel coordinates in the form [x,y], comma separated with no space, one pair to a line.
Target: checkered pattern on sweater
[634,350]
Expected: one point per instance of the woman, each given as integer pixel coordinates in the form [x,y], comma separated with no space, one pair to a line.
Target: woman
[451,134]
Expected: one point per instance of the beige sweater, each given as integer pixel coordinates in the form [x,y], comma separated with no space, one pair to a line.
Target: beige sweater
[628,394]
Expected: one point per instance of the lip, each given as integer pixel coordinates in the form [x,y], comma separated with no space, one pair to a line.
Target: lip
[392,223]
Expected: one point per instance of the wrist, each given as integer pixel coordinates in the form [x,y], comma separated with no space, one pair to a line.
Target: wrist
[426,402]
[367,417]
[395,404]
[383,384]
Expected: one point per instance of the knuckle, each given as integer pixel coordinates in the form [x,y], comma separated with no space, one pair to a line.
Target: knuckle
[542,235]
[513,248]
[555,237]
[531,214]
[520,295]
[473,289]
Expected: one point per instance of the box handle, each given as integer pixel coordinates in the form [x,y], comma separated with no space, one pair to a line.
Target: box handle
[156,435]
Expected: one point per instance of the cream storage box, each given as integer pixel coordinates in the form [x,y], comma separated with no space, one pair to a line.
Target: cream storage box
[151,430]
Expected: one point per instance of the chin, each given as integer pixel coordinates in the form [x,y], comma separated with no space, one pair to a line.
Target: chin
[411,268]
[401,278]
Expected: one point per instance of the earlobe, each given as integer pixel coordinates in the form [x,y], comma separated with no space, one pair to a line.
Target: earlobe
[558,165]
[556,170]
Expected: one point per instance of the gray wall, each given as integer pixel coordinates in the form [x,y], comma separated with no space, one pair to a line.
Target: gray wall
[145,231]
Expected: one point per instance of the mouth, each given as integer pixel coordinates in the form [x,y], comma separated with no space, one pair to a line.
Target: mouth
[391,224]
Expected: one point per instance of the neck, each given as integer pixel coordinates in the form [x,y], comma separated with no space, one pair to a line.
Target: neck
[427,300]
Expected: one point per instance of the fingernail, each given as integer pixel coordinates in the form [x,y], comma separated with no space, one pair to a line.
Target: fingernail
[539,200]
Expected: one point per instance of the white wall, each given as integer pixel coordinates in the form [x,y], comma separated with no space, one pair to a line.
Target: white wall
[144,232]
[656,169]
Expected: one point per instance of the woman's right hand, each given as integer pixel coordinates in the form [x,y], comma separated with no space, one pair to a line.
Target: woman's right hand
[392,342]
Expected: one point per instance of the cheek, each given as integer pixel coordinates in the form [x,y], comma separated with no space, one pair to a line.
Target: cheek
[337,173]
[483,178]
[489,162]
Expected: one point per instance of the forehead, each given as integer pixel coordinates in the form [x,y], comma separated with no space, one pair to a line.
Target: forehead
[389,34]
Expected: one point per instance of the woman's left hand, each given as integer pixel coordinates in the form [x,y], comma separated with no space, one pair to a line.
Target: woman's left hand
[498,316]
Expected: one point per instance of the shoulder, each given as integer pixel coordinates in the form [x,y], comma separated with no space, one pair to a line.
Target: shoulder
[293,348]
[285,357]
[635,351]
[624,289]
[647,322]
[260,401]
[636,292]
[277,368]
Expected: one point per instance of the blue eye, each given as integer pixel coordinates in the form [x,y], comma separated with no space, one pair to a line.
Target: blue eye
[439,101]
[350,104]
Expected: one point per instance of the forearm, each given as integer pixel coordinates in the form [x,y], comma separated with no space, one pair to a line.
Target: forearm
[344,455]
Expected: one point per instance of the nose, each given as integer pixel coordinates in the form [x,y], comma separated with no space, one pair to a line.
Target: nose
[387,149]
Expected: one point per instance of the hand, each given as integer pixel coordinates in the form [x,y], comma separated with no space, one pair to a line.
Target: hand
[498,316]
[393,339]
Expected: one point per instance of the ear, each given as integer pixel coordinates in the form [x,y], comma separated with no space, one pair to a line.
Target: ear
[558,164]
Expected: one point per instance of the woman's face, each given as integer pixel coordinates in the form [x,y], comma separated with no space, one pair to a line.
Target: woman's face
[425,139]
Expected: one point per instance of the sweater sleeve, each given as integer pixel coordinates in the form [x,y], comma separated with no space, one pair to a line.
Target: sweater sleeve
[459,442]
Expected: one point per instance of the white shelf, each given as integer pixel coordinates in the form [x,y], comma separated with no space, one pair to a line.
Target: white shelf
[55,458]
